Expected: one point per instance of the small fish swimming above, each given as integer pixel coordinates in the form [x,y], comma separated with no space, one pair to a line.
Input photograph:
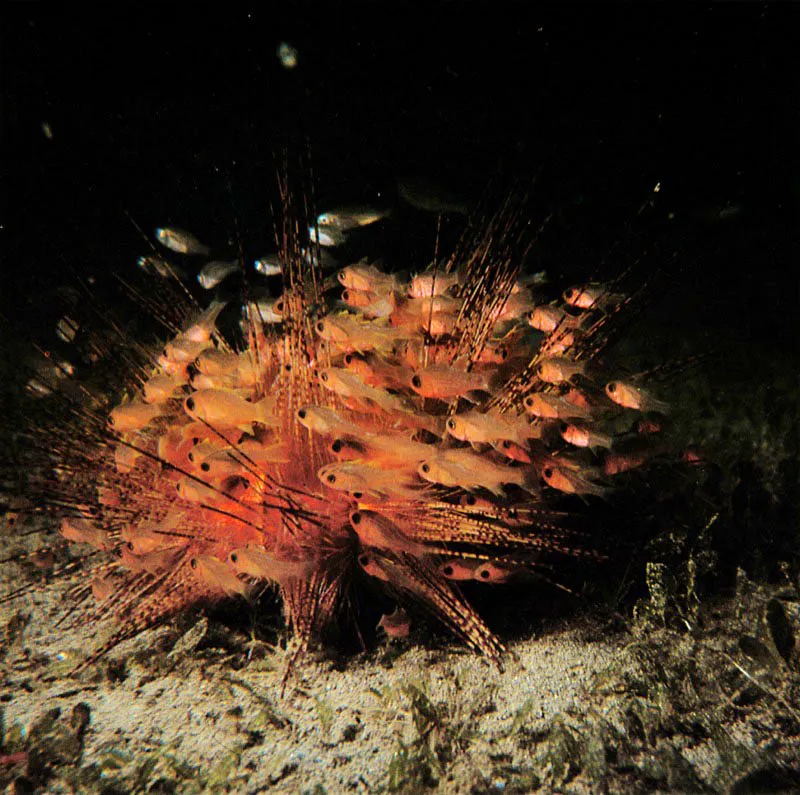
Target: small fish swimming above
[180,241]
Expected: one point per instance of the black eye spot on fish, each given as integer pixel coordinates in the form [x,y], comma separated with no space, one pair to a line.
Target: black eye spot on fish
[234,557]
[470,499]
[110,420]
[195,440]
[563,427]
[569,293]
[341,276]
[485,574]
[348,359]
[205,466]
[320,327]
[502,352]
[548,473]
[611,387]
[324,377]
[425,468]
[356,518]
[529,401]
[416,381]
[301,413]
[358,494]
[190,404]
[451,424]
[506,444]
[130,546]
[363,561]
[448,570]
[193,563]
[191,456]
[337,446]
[331,478]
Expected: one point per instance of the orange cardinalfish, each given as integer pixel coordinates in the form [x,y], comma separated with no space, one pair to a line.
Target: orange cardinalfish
[134,416]
[213,361]
[479,428]
[161,387]
[363,276]
[445,382]
[590,296]
[431,283]
[153,562]
[631,397]
[459,569]
[326,421]
[375,530]
[558,369]
[547,406]
[263,564]
[84,531]
[570,481]
[459,468]
[376,371]
[362,479]
[219,407]
[581,436]
[548,318]
[218,575]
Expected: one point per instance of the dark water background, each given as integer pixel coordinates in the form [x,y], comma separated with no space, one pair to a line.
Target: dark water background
[175,116]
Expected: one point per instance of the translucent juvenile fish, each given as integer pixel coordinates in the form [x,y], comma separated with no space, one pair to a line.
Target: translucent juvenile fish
[268,265]
[180,241]
[570,481]
[134,415]
[430,283]
[327,236]
[347,218]
[590,296]
[558,369]
[467,470]
[631,397]
[215,272]
[444,382]
[161,267]
[396,625]
[548,406]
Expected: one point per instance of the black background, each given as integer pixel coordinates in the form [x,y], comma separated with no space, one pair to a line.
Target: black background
[174,115]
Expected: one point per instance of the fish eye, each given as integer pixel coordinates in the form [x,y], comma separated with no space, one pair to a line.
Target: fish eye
[612,387]
[502,352]
[193,563]
[337,446]
[348,359]
[425,468]
[470,499]
[563,427]
[451,424]
[506,444]
[358,494]
[346,295]
[130,546]
[529,401]
[110,420]
[331,478]
[191,456]
[205,466]
[540,369]
[190,404]
[569,293]
[355,518]
[324,377]
[195,440]
[278,307]
[448,570]
[548,473]
[165,353]
[485,574]
[301,413]
[178,487]
[321,326]
[341,276]
[363,561]
[234,557]
[416,381]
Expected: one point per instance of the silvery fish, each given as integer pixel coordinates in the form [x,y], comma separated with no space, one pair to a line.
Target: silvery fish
[161,267]
[346,218]
[328,236]
[215,272]
[180,241]
[268,265]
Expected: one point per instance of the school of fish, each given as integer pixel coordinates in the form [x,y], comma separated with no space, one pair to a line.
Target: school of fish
[419,432]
